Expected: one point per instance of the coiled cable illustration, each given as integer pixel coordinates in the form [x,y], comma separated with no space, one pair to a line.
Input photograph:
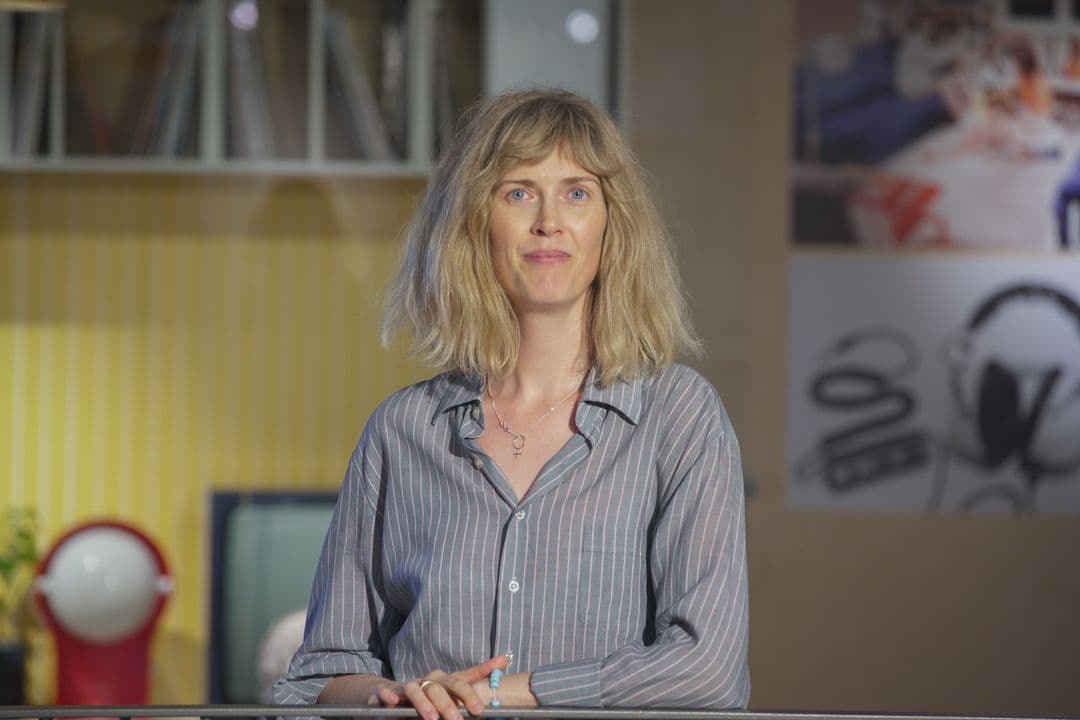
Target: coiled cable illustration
[875,446]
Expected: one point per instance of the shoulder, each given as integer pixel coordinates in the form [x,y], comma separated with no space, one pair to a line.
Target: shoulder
[682,404]
[411,408]
[679,386]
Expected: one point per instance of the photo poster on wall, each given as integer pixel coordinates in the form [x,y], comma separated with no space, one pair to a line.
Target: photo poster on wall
[934,317]
[931,383]
[937,124]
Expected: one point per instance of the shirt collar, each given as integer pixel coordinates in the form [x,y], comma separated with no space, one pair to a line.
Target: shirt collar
[458,389]
[623,396]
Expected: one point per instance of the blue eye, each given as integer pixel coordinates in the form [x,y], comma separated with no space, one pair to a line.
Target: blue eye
[518,194]
[579,194]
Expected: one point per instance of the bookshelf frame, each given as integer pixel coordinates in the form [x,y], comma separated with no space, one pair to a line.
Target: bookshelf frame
[211,156]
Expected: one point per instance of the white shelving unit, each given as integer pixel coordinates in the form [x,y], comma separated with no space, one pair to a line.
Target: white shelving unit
[208,147]
[212,154]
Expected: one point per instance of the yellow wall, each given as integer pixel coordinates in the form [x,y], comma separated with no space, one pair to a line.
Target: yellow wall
[164,336]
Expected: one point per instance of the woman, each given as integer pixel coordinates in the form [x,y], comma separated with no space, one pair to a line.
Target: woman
[564,503]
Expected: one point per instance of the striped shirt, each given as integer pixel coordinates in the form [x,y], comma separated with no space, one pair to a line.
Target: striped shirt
[619,580]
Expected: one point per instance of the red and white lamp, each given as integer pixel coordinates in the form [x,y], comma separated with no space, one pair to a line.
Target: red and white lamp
[101,589]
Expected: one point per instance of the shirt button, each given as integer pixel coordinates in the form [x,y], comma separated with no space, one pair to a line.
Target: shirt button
[475,412]
[477,462]
[519,515]
[513,586]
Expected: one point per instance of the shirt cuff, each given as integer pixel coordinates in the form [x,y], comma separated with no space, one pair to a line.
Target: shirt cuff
[298,692]
[575,683]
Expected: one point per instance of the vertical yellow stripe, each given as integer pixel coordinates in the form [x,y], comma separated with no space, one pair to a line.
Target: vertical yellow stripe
[136,301]
[158,432]
[19,269]
[9,494]
[73,437]
[234,279]
[180,474]
[340,317]
[38,488]
[213,293]
[297,247]
[204,374]
[310,325]
[44,399]
[298,451]
[155,361]
[273,364]
[260,360]
[101,426]
[127,368]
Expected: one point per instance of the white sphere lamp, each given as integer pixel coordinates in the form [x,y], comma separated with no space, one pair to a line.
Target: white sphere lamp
[101,589]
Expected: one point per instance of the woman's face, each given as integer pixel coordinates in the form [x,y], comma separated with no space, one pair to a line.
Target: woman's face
[547,222]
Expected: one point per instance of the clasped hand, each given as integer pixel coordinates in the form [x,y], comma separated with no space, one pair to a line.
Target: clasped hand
[441,695]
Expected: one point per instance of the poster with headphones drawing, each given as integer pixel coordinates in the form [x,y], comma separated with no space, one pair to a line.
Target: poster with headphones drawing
[937,124]
[933,383]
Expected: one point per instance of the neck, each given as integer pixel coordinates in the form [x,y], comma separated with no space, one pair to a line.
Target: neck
[551,358]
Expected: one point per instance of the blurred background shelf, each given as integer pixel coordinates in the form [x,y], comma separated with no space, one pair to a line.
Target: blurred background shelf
[233,166]
[284,87]
[294,87]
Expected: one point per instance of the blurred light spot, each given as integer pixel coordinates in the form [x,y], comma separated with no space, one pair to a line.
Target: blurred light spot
[244,15]
[582,26]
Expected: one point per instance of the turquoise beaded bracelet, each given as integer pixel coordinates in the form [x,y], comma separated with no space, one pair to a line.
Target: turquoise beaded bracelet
[493,682]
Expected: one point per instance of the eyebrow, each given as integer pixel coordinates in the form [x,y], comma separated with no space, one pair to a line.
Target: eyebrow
[565,181]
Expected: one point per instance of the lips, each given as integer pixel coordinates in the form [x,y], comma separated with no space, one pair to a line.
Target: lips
[547,256]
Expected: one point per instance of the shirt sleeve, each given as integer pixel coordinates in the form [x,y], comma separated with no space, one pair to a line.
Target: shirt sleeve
[698,570]
[342,633]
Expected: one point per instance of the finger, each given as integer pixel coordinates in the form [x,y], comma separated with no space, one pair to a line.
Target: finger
[420,702]
[465,692]
[443,702]
[481,671]
[482,688]
[390,695]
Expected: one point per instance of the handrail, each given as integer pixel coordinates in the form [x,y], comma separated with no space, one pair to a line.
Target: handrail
[126,712]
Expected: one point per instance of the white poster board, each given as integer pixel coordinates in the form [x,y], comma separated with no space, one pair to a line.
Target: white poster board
[934,383]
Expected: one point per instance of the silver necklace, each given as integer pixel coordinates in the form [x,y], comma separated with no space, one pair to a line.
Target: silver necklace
[517,439]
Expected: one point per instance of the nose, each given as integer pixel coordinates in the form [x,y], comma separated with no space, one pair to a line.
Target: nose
[547,221]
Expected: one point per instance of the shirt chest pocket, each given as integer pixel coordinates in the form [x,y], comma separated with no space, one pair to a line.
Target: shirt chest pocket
[612,591]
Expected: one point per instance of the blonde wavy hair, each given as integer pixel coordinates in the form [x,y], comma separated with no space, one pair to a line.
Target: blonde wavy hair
[445,294]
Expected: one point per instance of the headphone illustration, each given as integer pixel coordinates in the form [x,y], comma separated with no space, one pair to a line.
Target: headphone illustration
[1007,411]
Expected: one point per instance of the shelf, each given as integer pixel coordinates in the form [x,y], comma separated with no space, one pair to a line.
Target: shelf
[196,166]
[130,80]
[279,87]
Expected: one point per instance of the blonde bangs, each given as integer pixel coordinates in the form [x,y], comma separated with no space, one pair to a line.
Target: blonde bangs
[445,294]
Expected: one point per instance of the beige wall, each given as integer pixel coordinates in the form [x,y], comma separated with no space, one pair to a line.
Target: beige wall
[850,612]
